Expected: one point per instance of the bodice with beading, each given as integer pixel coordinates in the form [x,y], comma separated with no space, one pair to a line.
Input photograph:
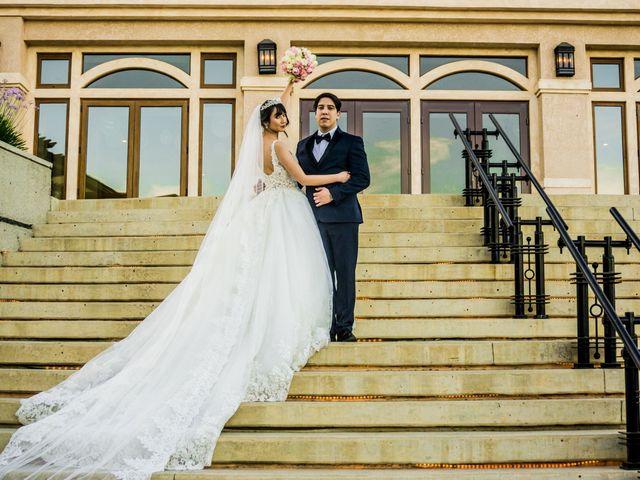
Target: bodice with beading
[279,178]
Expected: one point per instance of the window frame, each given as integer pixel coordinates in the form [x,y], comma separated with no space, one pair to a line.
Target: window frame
[133,160]
[310,85]
[36,127]
[517,88]
[625,167]
[125,55]
[53,56]
[203,102]
[181,86]
[219,56]
[483,58]
[608,61]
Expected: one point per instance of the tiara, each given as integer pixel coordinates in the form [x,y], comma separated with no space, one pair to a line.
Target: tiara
[270,103]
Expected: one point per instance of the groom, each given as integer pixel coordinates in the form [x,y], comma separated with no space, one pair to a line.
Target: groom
[335,206]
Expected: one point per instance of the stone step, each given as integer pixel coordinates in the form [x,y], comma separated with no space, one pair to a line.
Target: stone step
[311,383]
[577,227]
[428,413]
[404,447]
[418,472]
[212,202]
[468,271]
[92,274]
[496,413]
[105,204]
[186,257]
[365,271]
[365,328]
[200,227]
[411,447]
[393,353]
[364,289]
[369,213]
[193,214]
[365,308]
[192,242]
[365,200]
[587,470]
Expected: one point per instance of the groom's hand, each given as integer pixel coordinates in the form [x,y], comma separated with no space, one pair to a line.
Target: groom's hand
[322,196]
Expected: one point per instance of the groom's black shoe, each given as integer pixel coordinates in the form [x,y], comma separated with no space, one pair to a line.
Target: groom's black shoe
[349,337]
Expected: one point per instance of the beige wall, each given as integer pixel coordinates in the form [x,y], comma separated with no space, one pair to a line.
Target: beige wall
[561,131]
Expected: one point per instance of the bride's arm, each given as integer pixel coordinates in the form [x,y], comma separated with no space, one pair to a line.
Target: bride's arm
[294,169]
[284,98]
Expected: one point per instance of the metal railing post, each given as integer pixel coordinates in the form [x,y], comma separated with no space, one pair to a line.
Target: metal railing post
[582,310]
[540,251]
[609,288]
[517,258]
[632,402]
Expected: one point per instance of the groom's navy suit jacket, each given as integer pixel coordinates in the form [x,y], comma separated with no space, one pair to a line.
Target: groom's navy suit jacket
[344,152]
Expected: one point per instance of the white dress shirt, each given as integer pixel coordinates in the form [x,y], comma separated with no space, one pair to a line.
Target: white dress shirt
[320,148]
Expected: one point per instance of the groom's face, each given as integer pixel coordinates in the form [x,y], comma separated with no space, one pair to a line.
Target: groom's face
[327,114]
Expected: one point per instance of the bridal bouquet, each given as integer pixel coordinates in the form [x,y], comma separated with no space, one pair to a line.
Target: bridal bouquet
[298,63]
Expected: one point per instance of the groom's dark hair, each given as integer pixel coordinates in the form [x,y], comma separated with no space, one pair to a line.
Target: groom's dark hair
[336,101]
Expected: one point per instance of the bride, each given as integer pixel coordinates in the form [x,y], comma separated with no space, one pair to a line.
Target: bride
[254,307]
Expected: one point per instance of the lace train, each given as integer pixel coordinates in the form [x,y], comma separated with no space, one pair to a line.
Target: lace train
[247,316]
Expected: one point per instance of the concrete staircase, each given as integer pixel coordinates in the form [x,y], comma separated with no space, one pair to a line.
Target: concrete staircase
[443,377]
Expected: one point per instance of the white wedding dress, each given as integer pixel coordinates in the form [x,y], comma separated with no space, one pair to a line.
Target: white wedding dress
[255,306]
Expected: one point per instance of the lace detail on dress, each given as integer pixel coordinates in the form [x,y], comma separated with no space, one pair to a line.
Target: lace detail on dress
[274,386]
[170,439]
[279,178]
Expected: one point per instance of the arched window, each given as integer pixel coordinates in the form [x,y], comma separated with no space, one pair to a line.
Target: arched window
[136,78]
[352,79]
[472,81]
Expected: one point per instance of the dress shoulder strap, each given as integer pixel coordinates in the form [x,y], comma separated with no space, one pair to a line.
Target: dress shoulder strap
[274,156]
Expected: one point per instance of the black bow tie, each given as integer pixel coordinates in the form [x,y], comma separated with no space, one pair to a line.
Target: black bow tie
[319,138]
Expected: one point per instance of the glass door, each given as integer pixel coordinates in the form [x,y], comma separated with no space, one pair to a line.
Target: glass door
[384,127]
[133,149]
[442,163]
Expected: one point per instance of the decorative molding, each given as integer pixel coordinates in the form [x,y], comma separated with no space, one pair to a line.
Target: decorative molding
[553,85]
[263,84]
[15,79]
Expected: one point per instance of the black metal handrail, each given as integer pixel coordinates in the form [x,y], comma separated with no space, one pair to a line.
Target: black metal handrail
[631,234]
[604,294]
[523,165]
[561,226]
[589,277]
[483,175]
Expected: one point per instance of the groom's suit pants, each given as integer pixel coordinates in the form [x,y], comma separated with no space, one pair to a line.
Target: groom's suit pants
[340,242]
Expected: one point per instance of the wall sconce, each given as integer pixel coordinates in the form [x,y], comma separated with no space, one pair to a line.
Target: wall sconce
[565,60]
[267,57]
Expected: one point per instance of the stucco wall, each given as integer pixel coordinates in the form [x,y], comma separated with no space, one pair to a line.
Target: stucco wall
[561,123]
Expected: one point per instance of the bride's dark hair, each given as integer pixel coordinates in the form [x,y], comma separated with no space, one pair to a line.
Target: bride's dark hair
[265,115]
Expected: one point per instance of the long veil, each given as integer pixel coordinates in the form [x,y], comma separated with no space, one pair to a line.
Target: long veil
[154,399]
[245,184]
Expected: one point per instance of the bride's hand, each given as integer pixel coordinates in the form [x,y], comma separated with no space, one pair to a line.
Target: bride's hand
[343,177]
